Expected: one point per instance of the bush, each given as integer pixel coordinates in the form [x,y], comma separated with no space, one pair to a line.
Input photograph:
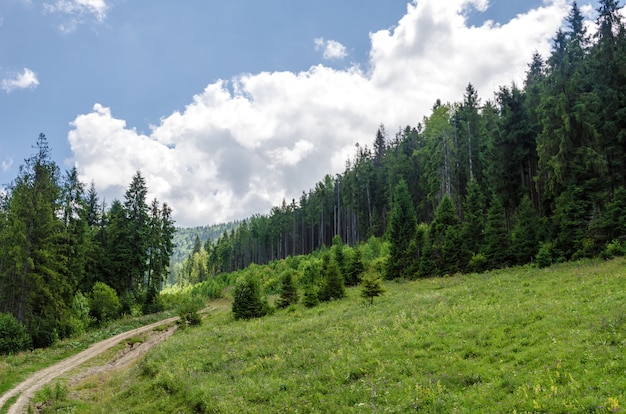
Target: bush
[544,255]
[13,336]
[152,302]
[80,319]
[612,249]
[478,263]
[188,312]
[105,305]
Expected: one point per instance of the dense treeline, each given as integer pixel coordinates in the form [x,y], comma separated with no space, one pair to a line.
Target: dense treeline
[66,261]
[537,173]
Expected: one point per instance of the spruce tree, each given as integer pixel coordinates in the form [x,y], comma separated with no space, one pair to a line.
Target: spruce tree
[525,234]
[401,231]
[248,302]
[332,285]
[497,238]
[371,287]
[355,269]
[289,291]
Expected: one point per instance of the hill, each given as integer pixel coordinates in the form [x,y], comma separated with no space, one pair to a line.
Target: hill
[522,339]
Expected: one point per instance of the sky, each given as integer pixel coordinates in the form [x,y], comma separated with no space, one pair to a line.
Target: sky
[229,107]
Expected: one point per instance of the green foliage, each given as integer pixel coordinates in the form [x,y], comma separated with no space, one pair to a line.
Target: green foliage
[355,269]
[400,233]
[289,291]
[13,336]
[188,311]
[248,300]
[310,298]
[81,318]
[544,255]
[105,305]
[613,249]
[371,287]
[152,301]
[526,232]
[478,263]
[332,285]
[497,238]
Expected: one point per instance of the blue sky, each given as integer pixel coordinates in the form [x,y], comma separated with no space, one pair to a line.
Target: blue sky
[229,107]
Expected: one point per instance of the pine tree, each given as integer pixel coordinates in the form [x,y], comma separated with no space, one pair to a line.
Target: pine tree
[371,287]
[289,291]
[136,210]
[525,235]
[497,239]
[355,270]
[248,302]
[34,283]
[401,231]
[332,285]
[473,218]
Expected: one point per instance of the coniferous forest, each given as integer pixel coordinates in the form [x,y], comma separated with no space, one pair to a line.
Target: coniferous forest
[537,173]
[61,244]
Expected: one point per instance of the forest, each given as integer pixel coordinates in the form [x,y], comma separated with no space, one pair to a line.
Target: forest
[535,174]
[67,261]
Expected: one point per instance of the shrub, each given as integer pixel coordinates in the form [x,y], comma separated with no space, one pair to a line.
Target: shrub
[152,302]
[188,312]
[13,336]
[478,263]
[105,305]
[544,255]
[612,249]
[80,319]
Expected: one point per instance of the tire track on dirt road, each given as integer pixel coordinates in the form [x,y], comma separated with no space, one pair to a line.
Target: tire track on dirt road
[26,390]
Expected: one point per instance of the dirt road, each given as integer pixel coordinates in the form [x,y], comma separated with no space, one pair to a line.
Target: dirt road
[26,390]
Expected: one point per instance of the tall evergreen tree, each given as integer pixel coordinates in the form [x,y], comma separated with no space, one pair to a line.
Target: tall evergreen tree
[136,210]
[497,238]
[525,236]
[35,286]
[401,231]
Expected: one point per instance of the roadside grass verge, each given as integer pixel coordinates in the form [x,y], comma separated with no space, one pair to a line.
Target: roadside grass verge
[515,340]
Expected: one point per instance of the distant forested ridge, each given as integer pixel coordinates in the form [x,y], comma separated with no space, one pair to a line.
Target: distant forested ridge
[59,243]
[538,172]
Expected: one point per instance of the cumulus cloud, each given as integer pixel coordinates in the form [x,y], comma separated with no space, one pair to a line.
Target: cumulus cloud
[242,145]
[77,11]
[25,80]
[331,49]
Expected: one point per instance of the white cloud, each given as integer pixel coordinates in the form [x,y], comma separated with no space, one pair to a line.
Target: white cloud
[243,145]
[6,164]
[331,48]
[25,80]
[77,11]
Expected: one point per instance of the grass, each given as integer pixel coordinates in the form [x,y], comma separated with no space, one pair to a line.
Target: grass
[16,368]
[517,340]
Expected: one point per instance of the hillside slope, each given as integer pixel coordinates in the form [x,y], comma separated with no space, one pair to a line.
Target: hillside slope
[550,340]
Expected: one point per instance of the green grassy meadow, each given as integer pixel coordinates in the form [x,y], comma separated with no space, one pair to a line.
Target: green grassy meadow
[516,340]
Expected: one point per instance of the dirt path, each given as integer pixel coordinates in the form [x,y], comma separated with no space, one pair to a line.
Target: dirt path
[26,390]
